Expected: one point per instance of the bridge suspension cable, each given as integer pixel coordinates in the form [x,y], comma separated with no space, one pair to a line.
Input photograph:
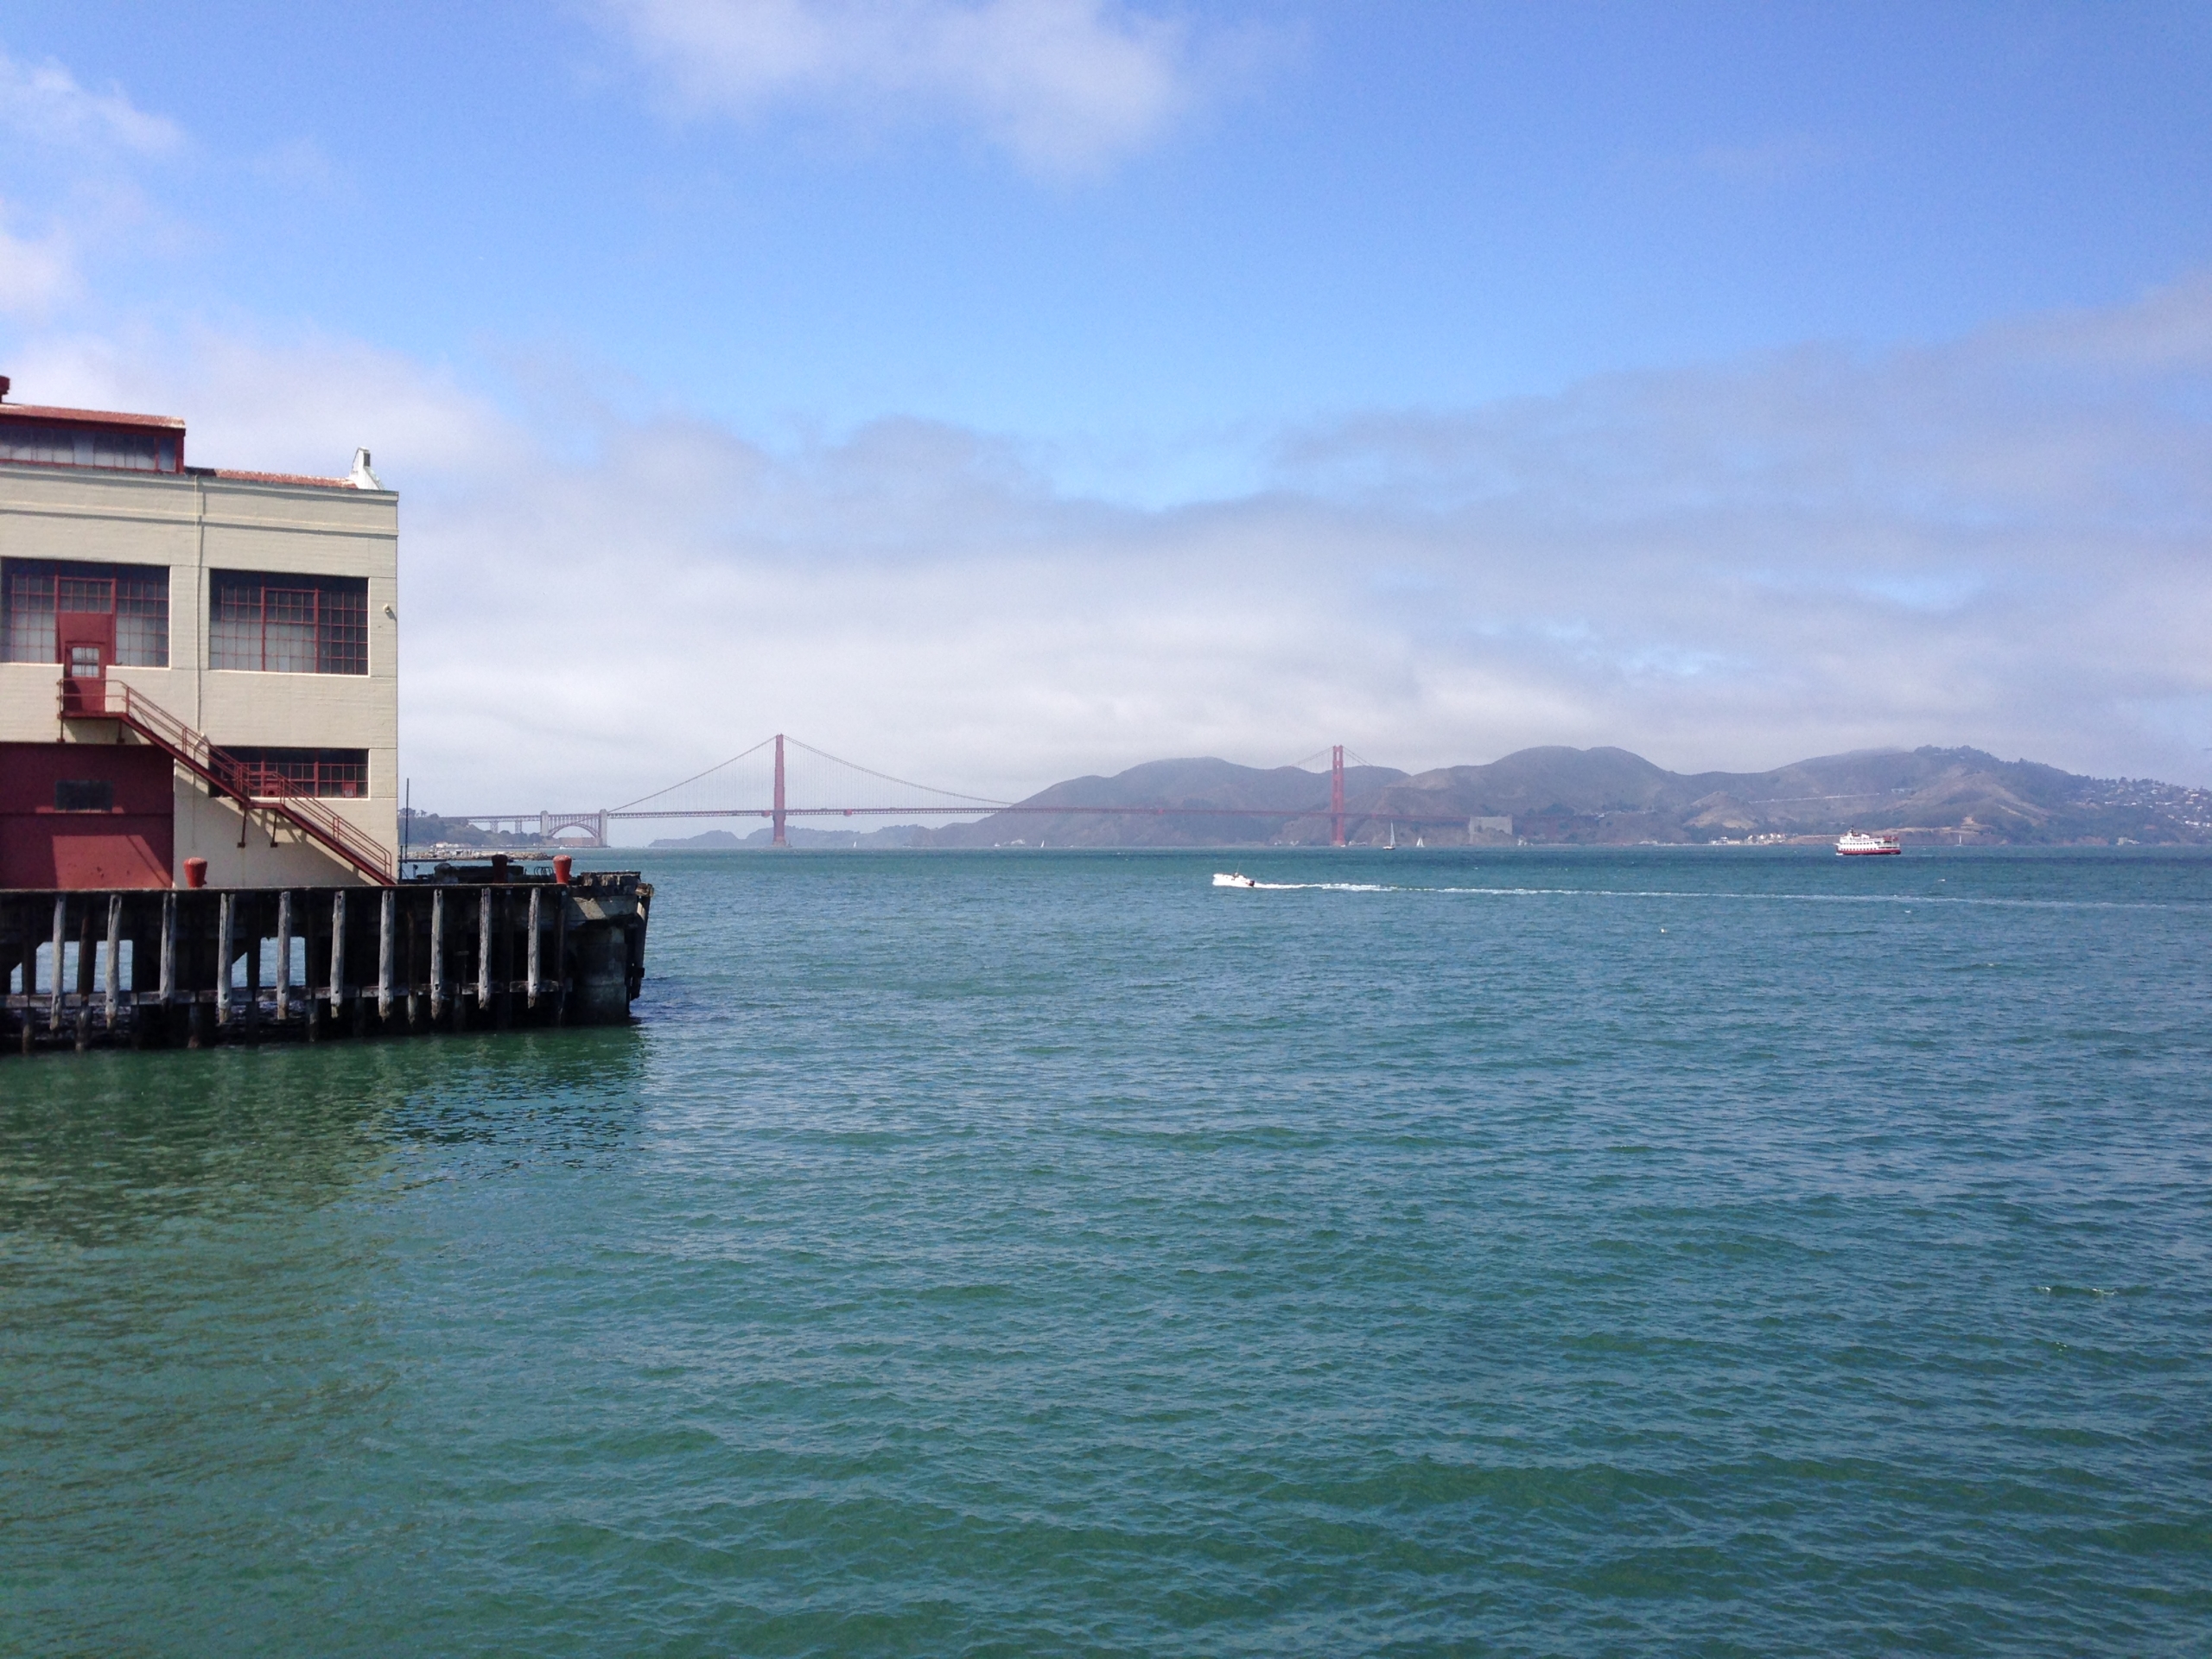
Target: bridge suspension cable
[770,785]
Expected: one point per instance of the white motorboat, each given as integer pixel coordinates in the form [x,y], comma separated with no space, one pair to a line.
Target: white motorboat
[1233,879]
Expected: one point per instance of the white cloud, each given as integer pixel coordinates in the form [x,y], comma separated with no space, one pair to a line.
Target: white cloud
[36,273]
[1066,86]
[1728,568]
[44,104]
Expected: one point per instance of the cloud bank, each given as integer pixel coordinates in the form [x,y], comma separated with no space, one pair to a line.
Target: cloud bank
[69,156]
[2001,540]
[1065,86]
[44,104]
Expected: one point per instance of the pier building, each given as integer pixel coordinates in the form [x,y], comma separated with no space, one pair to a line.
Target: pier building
[195,663]
[198,770]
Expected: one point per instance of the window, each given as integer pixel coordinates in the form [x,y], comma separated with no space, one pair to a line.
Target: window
[342,773]
[134,449]
[84,795]
[288,625]
[137,595]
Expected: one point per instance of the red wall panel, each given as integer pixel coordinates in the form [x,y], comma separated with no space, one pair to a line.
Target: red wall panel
[130,844]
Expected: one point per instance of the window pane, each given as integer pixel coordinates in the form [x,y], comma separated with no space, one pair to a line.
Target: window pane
[85,594]
[234,624]
[32,590]
[134,449]
[27,631]
[343,643]
[287,624]
[84,795]
[343,772]
[142,620]
[288,630]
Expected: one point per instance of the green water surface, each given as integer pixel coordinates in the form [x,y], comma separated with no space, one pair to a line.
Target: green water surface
[1442,1253]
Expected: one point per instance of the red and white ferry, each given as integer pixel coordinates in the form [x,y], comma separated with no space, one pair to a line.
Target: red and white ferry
[1856,845]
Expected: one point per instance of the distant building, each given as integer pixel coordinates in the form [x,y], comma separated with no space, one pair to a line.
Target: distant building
[192,661]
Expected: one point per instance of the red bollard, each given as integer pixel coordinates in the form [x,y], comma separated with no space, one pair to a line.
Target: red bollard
[195,872]
[561,865]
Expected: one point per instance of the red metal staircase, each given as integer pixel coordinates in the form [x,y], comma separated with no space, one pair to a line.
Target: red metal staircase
[251,786]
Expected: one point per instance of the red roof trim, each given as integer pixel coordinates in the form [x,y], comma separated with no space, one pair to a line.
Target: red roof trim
[86,416]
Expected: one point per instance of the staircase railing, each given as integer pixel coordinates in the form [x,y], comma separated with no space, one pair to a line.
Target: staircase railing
[250,786]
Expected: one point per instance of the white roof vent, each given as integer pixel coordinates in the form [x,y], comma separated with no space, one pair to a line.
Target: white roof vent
[361,477]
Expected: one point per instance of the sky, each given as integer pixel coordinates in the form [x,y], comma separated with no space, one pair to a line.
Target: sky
[998,391]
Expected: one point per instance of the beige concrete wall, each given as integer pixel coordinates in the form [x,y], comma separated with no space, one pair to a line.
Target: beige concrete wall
[194,525]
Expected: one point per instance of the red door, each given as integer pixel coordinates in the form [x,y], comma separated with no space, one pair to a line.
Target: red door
[84,641]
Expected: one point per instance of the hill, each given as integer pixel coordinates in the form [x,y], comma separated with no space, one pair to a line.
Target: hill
[891,837]
[1604,797]
[1280,796]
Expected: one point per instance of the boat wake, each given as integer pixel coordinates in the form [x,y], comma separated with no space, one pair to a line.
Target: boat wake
[1907,899]
[1238,878]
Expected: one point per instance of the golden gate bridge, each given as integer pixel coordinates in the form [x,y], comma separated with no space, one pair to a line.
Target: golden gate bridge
[780,779]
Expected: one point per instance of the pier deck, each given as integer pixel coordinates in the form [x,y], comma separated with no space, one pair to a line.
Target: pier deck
[465,950]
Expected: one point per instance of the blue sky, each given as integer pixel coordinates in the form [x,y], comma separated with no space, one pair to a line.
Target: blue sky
[1517,310]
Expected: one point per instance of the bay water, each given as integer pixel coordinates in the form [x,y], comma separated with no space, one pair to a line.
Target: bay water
[1518,1252]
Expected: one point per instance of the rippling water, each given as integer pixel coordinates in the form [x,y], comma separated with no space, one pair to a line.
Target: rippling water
[1629,1252]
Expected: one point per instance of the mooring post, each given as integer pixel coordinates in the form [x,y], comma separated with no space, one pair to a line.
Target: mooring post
[483,953]
[383,955]
[535,894]
[437,953]
[113,973]
[284,955]
[224,960]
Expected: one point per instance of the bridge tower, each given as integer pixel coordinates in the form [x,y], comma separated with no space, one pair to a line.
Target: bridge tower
[777,839]
[1335,797]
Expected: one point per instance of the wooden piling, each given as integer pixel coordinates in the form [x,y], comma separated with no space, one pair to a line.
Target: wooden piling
[561,960]
[437,953]
[252,1009]
[169,948]
[224,958]
[284,955]
[337,953]
[383,955]
[535,893]
[483,951]
[111,978]
[413,930]
[60,939]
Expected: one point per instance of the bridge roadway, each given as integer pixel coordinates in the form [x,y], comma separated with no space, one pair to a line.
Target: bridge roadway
[1350,814]
[594,824]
